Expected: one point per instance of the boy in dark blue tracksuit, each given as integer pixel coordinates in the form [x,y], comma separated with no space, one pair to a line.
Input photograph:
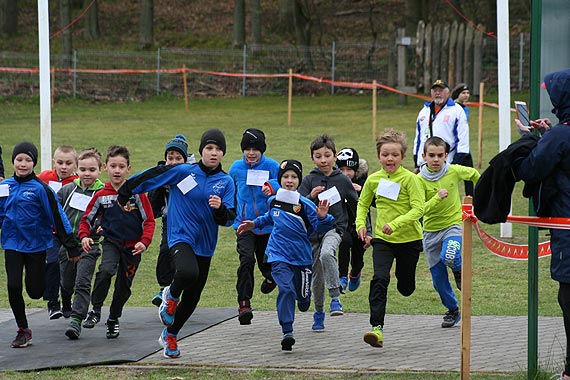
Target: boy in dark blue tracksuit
[289,251]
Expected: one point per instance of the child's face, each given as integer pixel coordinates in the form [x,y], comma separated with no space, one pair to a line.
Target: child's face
[464,96]
[434,157]
[117,168]
[88,171]
[290,180]
[64,164]
[23,165]
[391,157]
[174,157]
[252,155]
[347,172]
[212,156]
[324,159]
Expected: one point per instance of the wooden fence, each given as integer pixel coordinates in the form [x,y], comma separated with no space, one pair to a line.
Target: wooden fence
[450,52]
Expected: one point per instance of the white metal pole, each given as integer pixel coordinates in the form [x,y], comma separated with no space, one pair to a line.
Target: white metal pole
[45,87]
[504,87]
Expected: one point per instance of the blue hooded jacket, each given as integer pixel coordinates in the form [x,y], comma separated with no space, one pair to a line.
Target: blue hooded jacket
[551,158]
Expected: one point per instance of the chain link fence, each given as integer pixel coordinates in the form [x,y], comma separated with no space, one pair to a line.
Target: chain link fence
[343,61]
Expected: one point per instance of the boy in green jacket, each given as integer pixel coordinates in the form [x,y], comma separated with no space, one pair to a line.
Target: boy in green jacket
[398,233]
[442,222]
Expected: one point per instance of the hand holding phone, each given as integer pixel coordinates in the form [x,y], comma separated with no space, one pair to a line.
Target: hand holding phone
[522,113]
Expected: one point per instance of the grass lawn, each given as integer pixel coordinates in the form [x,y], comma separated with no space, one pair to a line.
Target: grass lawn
[499,285]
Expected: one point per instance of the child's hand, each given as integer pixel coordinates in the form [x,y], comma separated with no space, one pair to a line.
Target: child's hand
[357,187]
[362,234]
[215,202]
[139,248]
[323,208]
[442,193]
[316,191]
[387,229]
[247,225]
[367,242]
[86,243]
[267,190]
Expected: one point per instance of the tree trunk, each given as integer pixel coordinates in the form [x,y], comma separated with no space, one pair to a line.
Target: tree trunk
[8,17]
[65,12]
[146,24]
[92,20]
[416,10]
[255,14]
[239,23]
[286,15]
[303,26]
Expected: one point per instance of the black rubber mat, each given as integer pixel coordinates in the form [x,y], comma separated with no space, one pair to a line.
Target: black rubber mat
[140,329]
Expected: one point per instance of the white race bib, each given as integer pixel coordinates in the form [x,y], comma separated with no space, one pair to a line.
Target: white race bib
[4,190]
[257,177]
[388,189]
[187,184]
[55,185]
[287,196]
[332,195]
[79,201]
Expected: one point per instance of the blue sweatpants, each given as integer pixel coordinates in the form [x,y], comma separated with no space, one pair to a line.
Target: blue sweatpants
[294,283]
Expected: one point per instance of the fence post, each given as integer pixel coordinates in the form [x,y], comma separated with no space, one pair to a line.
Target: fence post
[374,111]
[74,72]
[243,81]
[185,79]
[290,98]
[333,64]
[521,60]
[158,72]
[477,58]
[480,129]
[466,282]
[402,42]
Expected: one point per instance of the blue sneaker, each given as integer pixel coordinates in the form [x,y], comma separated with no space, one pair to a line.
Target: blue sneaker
[354,282]
[451,318]
[342,280]
[168,307]
[336,307]
[319,321]
[170,345]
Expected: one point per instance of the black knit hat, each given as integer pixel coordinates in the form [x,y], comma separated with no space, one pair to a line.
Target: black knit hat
[294,165]
[28,148]
[253,138]
[213,136]
[178,144]
[458,90]
[347,157]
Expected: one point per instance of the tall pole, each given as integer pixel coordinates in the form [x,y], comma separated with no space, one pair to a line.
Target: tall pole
[534,110]
[45,87]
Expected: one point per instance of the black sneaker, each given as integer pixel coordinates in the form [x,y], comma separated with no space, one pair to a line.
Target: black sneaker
[451,318]
[92,319]
[245,315]
[74,329]
[23,338]
[267,286]
[54,310]
[287,342]
[66,308]
[112,328]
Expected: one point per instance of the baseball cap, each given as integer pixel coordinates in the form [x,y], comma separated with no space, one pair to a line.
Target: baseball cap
[441,83]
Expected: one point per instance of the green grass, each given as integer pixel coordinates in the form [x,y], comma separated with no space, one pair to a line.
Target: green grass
[499,285]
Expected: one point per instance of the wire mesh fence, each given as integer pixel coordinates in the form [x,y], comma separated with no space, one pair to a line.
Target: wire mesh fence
[144,74]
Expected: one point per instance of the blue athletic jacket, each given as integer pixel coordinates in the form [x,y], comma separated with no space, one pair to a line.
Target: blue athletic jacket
[29,214]
[292,225]
[191,220]
[251,202]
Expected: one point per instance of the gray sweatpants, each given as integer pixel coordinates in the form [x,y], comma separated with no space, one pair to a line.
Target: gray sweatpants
[76,279]
[325,266]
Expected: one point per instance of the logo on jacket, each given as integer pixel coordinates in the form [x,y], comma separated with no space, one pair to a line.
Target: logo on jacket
[218,187]
[297,208]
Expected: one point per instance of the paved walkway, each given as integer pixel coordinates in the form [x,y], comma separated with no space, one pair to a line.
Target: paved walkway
[411,343]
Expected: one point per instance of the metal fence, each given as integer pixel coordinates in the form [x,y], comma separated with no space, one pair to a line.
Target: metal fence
[343,61]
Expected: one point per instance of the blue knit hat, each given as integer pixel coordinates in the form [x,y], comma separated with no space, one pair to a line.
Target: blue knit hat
[178,144]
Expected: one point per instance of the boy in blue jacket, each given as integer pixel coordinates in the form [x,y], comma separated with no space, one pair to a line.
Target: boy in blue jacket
[28,210]
[289,251]
[201,198]
[249,174]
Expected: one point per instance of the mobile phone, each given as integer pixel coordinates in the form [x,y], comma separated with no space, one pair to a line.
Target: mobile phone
[522,113]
